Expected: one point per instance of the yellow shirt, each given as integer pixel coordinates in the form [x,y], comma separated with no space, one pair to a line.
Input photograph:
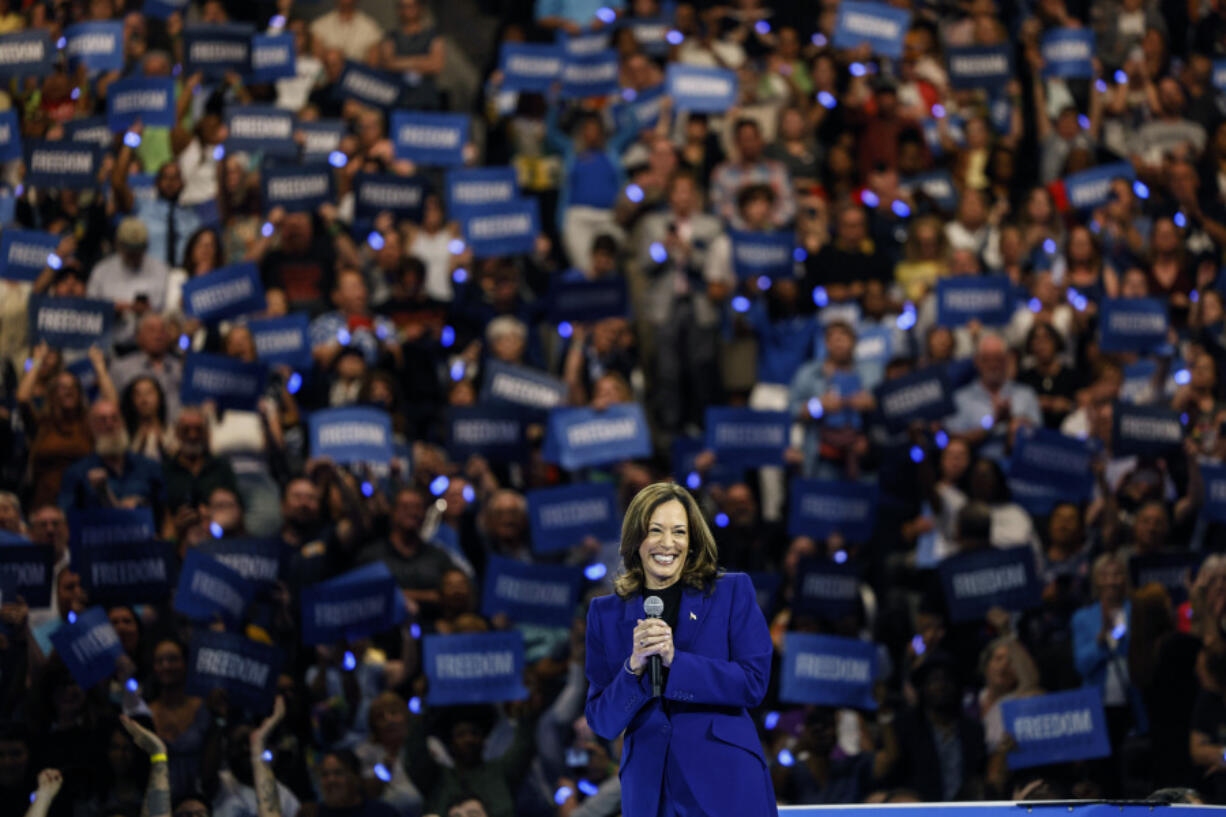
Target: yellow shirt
[917,277]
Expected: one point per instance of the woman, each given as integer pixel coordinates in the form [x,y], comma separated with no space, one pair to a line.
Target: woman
[201,255]
[121,787]
[1101,639]
[1170,272]
[715,668]
[181,720]
[340,789]
[415,52]
[388,719]
[144,413]
[1200,399]
[1054,382]
[984,482]
[1008,673]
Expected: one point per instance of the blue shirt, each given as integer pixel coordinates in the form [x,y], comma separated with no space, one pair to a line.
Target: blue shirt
[594,180]
[156,213]
[784,345]
[328,326]
[973,403]
[581,12]
[141,477]
[811,381]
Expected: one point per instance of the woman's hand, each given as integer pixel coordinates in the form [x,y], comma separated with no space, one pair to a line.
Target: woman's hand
[260,734]
[145,740]
[651,637]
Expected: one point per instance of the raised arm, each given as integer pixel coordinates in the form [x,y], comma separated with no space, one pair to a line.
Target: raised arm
[157,792]
[49,782]
[268,799]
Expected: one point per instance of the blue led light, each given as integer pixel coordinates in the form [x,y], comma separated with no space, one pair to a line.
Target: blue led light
[588,787]
[917,645]
[721,520]
[219,153]
[277,21]
[917,454]
[294,383]
[338,159]
[820,297]
[216,530]
[382,773]
[349,662]
[1049,246]
[1180,219]
[674,37]
[33,796]
[563,794]
[72,617]
[459,275]
[1079,303]
[634,193]
[438,485]
[457,371]
[693,480]
[785,758]
[771,720]
[1120,77]
[987,421]
[629,94]
[657,252]
[762,27]
[415,703]
[184,342]
[941,439]
[906,320]
[131,139]
[1034,304]
[368,490]
[132,685]
[1083,121]
[1118,631]
[764,282]
[75,93]
[343,337]
[938,111]
[857,69]
[595,572]
[815,408]
[381,331]
[1140,190]
[54,261]
[1194,296]
[818,39]
[869,198]
[900,208]
[375,240]
[606,15]
[840,557]
[1183,418]
[1100,86]
[61,42]
[447,336]
[267,229]
[740,304]
[799,255]
[826,100]
[1183,377]
[469,493]
[415,630]
[455,246]
[565,330]
[29,363]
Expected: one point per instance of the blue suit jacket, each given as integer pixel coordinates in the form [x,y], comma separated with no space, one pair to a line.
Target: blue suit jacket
[721,665]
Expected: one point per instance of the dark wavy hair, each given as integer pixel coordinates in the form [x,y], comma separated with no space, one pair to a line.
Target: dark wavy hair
[701,559]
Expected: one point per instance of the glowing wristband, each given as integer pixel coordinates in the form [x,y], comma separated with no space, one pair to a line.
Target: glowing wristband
[160,757]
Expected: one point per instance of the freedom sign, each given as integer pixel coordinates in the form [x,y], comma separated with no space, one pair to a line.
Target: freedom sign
[209,588]
[755,254]
[491,431]
[375,193]
[935,185]
[362,602]
[1056,728]
[98,46]
[589,75]
[828,670]
[1145,431]
[826,589]
[148,99]
[478,186]
[879,26]
[23,253]
[89,647]
[819,508]
[228,292]
[247,670]
[227,381]
[642,112]
[70,323]
[1214,478]
[10,136]
[282,341]
[432,139]
[978,580]
[495,230]
[297,189]
[130,572]
[62,164]
[216,49]
[922,395]
[1091,188]
[368,86]
[529,66]
[701,90]
[26,570]
[522,386]
[582,437]
[348,435]
[1068,53]
[273,57]
[980,66]
[258,561]
[96,527]
[320,138]
[583,301]
[1047,457]
[1132,324]
[746,437]
[261,129]
[473,669]
[26,54]
[1173,569]
[961,299]
[531,594]
[560,518]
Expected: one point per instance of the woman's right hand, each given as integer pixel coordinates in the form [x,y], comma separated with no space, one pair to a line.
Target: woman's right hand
[651,635]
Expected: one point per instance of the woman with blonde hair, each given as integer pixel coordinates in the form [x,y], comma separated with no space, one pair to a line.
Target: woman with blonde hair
[388,719]
[1008,673]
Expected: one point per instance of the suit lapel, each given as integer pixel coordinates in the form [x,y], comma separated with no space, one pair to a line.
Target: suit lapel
[694,604]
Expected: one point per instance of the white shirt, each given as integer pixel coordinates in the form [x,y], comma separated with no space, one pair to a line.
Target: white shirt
[354,36]
[236,800]
[433,251]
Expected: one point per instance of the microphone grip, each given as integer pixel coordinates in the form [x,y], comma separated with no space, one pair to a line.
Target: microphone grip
[656,674]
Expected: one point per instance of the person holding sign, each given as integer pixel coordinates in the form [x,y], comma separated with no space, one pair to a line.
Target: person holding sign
[675,658]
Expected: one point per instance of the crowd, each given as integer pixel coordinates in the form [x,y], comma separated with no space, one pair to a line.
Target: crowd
[1035,254]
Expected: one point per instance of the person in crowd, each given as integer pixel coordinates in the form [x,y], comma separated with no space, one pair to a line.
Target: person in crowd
[113,476]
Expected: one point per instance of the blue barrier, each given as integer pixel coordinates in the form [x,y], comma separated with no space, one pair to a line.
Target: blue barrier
[1007,809]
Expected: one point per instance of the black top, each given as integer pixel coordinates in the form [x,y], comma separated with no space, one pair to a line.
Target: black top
[671,596]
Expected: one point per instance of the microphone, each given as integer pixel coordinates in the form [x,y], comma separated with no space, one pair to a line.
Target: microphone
[653,607]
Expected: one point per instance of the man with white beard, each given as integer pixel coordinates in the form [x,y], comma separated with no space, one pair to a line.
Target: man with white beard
[112,476]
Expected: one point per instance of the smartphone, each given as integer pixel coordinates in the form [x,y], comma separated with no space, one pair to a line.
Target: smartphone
[576,757]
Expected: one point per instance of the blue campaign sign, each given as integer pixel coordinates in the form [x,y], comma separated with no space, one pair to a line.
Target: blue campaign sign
[1068,53]
[26,570]
[297,189]
[247,670]
[229,382]
[88,646]
[530,66]
[579,44]
[586,301]
[26,54]
[651,35]
[84,370]
[922,395]
[375,193]
[257,560]
[976,581]
[882,27]
[162,9]
[492,431]
[228,292]
[817,508]
[97,46]
[522,386]
[510,228]
[216,49]
[1132,324]
[208,588]
[766,586]
[97,527]
[351,435]
[581,437]
[1173,569]
[936,185]
[360,603]
[755,254]
[589,75]
[133,572]
[273,57]
[62,164]
[560,518]
[320,138]
[368,86]
[1146,431]
[828,670]
[701,90]
[1214,478]
[642,112]
[1092,188]
[479,186]
[473,669]
[23,253]
[282,341]
[70,323]
[746,437]
[531,594]
[260,129]
[1047,457]
[685,453]
[432,139]
[94,130]
[1139,386]
[8,212]
[826,589]
[874,345]
[980,66]
[961,299]
[10,136]
[1035,497]
[1056,728]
